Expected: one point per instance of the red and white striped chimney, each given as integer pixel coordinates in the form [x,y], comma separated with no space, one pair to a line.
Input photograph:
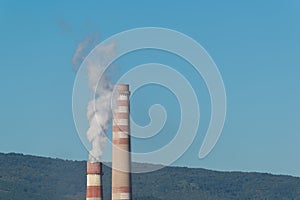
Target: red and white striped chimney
[121,159]
[93,182]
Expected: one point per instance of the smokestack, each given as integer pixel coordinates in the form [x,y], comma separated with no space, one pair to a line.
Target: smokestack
[121,159]
[93,181]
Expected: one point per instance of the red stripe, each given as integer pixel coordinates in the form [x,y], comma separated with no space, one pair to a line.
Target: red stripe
[121,189]
[93,168]
[123,103]
[94,192]
[122,128]
[121,141]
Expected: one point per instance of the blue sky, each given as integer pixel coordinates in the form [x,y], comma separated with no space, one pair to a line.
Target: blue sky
[255,45]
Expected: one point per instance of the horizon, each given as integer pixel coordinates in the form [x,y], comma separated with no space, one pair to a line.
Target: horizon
[109,162]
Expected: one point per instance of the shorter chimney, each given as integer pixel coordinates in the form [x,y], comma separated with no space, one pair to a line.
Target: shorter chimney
[93,181]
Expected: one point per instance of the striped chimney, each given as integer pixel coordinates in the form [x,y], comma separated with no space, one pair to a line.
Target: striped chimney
[121,159]
[93,182]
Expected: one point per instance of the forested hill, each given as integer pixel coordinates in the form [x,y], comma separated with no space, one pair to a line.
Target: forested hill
[24,177]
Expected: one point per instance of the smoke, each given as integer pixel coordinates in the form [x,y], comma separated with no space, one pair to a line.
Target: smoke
[64,25]
[83,49]
[99,109]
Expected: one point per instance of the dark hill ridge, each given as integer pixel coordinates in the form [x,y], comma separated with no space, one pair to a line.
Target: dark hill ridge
[24,177]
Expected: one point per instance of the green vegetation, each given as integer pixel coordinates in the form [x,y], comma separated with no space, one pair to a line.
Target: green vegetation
[30,177]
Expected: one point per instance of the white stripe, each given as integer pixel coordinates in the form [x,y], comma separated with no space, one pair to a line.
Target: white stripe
[93,198]
[121,134]
[123,97]
[125,195]
[93,180]
[121,122]
[122,109]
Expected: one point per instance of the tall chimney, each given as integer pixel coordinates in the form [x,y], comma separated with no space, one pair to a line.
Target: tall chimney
[121,159]
[93,182]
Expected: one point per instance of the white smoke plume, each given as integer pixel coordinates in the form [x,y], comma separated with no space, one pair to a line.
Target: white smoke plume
[99,111]
[83,49]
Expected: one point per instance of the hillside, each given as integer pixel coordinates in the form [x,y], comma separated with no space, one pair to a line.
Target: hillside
[30,177]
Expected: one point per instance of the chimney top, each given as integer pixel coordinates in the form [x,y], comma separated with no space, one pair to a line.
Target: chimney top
[94,167]
[122,87]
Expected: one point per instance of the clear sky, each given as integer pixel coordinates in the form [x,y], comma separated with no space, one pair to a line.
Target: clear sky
[255,45]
